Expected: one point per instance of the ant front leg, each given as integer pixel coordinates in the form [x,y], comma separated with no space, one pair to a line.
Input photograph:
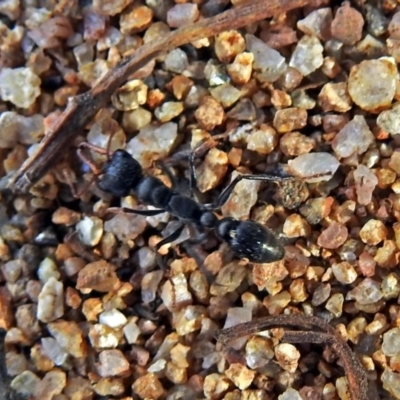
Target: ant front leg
[169,239]
[223,197]
[149,213]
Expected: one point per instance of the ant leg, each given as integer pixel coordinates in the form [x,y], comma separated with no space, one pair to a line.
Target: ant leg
[167,172]
[96,172]
[83,189]
[199,149]
[93,147]
[89,162]
[146,213]
[170,238]
[223,197]
[173,236]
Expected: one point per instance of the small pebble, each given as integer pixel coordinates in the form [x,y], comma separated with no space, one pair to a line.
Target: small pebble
[151,143]
[314,167]
[104,7]
[347,25]
[112,363]
[290,119]
[334,97]
[354,138]
[266,60]
[333,236]
[241,376]
[228,45]
[113,318]
[307,57]
[51,301]
[99,276]
[210,113]
[168,110]
[373,95]
[373,232]
[287,356]
[90,230]
[317,23]
[20,86]
[182,14]
[176,61]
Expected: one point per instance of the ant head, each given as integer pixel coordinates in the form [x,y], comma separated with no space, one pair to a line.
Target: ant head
[121,172]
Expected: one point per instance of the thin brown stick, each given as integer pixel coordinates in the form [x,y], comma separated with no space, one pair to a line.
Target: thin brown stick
[312,330]
[82,108]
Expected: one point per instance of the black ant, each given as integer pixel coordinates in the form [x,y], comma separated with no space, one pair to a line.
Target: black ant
[122,174]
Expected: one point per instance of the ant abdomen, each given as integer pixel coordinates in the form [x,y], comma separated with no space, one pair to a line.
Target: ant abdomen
[251,240]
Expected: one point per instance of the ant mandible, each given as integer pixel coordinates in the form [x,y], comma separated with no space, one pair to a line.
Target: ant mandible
[122,174]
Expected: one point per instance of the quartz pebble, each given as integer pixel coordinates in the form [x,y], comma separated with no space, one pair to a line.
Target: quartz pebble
[103,7]
[90,230]
[391,342]
[213,170]
[69,336]
[210,113]
[334,97]
[366,292]
[317,23]
[262,140]
[287,356]
[99,276]
[354,138]
[266,60]
[242,198]
[241,68]
[20,86]
[290,119]
[151,143]
[373,94]
[176,61]
[168,110]
[314,167]
[226,94]
[215,385]
[148,387]
[366,182]
[307,56]
[25,383]
[373,232]
[388,120]
[51,385]
[241,376]
[296,226]
[295,144]
[290,394]
[51,301]
[391,382]
[130,96]
[16,128]
[113,318]
[182,14]
[112,363]
[228,45]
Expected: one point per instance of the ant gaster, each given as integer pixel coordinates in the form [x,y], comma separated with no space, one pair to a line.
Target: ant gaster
[122,174]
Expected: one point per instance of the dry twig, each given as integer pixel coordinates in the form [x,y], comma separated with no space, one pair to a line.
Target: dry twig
[310,330]
[81,109]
